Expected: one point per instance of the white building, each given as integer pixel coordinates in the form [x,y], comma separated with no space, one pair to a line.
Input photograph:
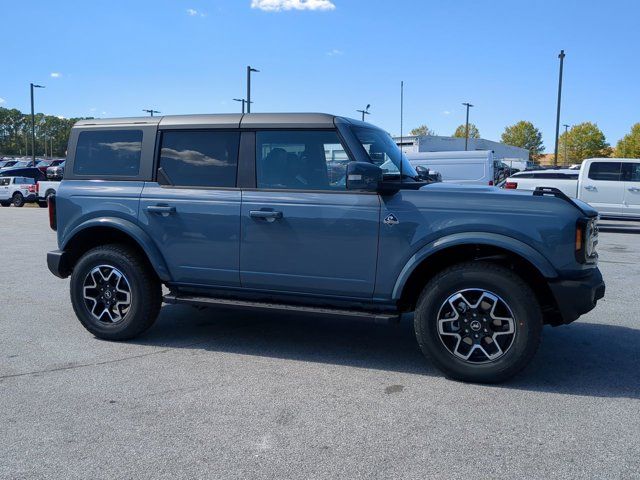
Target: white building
[512,156]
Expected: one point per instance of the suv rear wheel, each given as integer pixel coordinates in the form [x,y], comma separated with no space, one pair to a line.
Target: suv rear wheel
[115,294]
[478,322]
[18,199]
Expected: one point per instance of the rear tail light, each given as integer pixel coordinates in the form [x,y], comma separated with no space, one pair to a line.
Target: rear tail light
[490,182]
[32,189]
[511,185]
[38,188]
[51,202]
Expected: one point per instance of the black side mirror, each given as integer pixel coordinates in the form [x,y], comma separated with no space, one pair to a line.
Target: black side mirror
[363,176]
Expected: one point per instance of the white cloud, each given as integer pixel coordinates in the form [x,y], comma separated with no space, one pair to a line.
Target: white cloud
[335,52]
[278,5]
[446,112]
[192,12]
[2,100]
[55,74]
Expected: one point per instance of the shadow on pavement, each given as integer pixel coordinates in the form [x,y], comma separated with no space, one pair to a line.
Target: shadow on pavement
[578,359]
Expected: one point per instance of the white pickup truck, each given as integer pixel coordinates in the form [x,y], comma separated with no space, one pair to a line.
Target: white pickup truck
[16,191]
[44,189]
[610,185]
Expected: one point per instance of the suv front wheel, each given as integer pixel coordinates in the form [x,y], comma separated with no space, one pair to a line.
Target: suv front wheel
[478,322]
[114,292]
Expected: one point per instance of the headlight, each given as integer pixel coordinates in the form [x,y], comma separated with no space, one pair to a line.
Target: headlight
[587,240]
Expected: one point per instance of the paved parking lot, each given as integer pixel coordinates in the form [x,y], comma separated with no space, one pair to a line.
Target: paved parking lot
[230,395]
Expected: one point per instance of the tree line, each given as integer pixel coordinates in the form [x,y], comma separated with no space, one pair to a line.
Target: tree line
[584,140]
[51,132]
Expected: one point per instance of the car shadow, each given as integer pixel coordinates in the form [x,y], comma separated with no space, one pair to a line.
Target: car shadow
[579,359]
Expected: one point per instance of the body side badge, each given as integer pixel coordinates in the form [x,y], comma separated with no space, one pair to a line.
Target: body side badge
[391,219]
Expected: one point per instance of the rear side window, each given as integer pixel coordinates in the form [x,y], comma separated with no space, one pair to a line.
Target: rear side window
[108,153]
[199,158]
[4,181]
[631,172]
[605,171]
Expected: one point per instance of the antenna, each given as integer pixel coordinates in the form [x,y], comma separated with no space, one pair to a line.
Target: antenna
[401,123]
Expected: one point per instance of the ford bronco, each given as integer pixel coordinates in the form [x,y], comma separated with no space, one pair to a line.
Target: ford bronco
[314,213]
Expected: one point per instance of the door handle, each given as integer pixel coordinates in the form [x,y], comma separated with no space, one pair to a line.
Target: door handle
[633,189]
[163,209]
[591,188]
[268,215]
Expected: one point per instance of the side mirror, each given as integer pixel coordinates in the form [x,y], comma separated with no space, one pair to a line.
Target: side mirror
[363,176]
[428,175]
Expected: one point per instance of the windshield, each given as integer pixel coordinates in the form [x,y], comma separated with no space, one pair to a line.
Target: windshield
[384,152]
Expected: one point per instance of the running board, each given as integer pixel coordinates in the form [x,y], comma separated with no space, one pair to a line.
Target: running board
[378,317]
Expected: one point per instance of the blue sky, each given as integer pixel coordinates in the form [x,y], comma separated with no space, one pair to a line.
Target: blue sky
[116,57]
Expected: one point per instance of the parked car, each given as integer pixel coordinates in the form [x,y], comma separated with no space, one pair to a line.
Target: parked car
[46,189]
[610,185]
[477,167]
[29,172]
[16,191]
[56,172]
[44,165]
[564,180]
[239,211]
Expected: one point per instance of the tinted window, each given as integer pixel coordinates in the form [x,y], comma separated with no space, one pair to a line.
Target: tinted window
[631,172]
[304,160]
[200,158]
[108,153]
[605,171]
[4,181]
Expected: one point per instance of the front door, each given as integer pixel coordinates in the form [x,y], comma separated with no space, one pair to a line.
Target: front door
[603,188]
[193,213]
[302,231]
[631,177]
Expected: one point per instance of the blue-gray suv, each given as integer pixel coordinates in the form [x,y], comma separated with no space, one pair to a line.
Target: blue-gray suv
[314,213]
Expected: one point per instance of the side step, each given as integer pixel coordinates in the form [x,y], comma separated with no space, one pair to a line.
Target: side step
[378,317]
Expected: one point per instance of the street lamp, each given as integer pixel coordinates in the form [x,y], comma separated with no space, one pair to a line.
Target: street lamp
[365,111]
[244,102]
[566,128]
[33,125]
[249,102]
[555,153]
[466,128]
[151,111]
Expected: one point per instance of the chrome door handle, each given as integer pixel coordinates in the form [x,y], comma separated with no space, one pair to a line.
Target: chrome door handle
[591,188]
[633,189]
[163,209]
[269,215]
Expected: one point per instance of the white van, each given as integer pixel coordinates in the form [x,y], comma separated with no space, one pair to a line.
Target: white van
[471,167]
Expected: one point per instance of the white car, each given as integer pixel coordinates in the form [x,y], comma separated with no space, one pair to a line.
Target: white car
[44,189]
[17,191]
[610,185]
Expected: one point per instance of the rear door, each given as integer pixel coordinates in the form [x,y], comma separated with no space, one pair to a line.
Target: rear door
[192,211]
[603,187]
[302,231]
[631,177]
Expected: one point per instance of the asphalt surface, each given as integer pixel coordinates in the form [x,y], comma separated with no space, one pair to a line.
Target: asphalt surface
[208,394]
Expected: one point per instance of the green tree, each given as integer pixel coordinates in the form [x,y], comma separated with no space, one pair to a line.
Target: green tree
[629,145]
[581,141]
[473,131]
[524,135]
[422,130]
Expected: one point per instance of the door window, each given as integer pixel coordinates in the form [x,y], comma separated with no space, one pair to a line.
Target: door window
[199,158]
[609,171]
[300,160]
[631,172]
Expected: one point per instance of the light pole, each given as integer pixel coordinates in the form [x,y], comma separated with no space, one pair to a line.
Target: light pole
[249,102]
[555,153]
[33,125]
[365,111]
[466,126]
[566,128]
[244,102]
[151,111]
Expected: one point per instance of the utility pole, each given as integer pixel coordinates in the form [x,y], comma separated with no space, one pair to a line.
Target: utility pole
[249,102]
[33,125]
[566,128]
[365,111]
[555,153]
[150,111]
[466,127]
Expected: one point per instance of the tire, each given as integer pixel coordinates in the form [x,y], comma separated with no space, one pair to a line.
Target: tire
[18,199]
[115,322]
[5,204]
[446,330]
[45,203]
[42,204]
